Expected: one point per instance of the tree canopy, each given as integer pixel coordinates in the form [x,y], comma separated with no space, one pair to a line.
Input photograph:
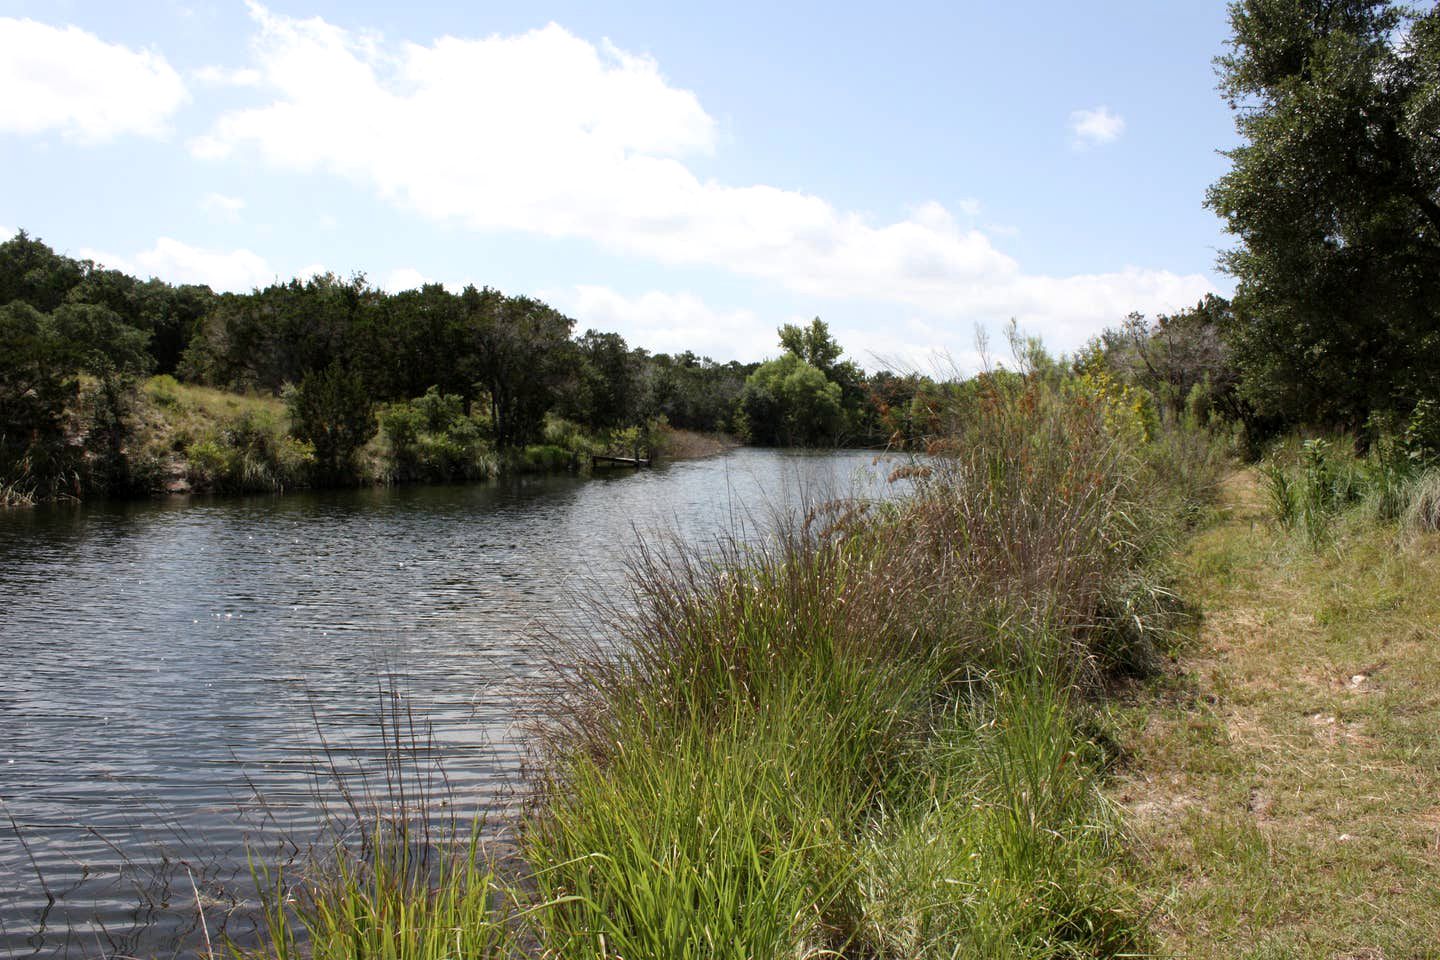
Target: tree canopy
[1335,199]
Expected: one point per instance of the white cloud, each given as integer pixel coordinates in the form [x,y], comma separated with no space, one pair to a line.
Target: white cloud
[404,278]
[66,80]
[222,207]
[675,322]
[1092,127]
[544,132]
[671,322]
[215,76]
[7,233]
[176,262]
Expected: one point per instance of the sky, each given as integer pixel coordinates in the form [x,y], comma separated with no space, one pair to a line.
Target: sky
[916,174]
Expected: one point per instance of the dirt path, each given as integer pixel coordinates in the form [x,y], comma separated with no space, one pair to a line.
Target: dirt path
[1283,789]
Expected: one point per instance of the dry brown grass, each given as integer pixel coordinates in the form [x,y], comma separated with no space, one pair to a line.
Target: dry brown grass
[672,443]
[1283,790]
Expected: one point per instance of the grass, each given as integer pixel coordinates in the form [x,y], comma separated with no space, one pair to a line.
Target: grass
[1282,791]
[189,437]
[868,738]
[396,898]
[872,735]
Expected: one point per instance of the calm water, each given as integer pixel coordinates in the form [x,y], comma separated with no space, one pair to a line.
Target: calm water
[179,680]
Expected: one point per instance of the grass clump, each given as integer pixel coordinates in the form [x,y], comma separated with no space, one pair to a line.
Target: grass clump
[1006,850]
[866,737]
[395,896]
[1422,512]
[1316,488]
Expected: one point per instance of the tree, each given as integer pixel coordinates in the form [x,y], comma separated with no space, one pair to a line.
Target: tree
[1181,358]
[332,409]
[1335,199]
[31,272]
[605,391]
[37,379]
[815,346]
[521,352]
[790,402]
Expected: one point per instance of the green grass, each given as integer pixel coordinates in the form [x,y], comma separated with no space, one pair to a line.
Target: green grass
[1283,789]
[398,898]
[869,739]
[877,735]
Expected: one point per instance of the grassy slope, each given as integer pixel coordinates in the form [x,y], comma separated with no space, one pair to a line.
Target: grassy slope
[169,409]
[1284,792]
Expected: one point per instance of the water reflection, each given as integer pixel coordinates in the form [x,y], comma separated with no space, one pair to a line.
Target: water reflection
[171,669]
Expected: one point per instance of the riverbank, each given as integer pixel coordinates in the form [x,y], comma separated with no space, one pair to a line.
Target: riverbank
[1281,788]
[185,438]
[880,735]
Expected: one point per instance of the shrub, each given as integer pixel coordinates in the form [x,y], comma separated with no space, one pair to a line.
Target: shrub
[1281,493]
[332,410]
[431,438]
[545,458]
[164,390]
[250,454]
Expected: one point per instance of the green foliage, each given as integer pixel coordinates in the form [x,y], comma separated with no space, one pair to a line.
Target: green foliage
[1323,486]
[249,454]
[693,393]
[1283,497]
[332,410]
[53,439]
[1421,439]
[431,438]
[814,345]
[789,402]
[605,392]
[522,352]
[1335,199]
[545,458]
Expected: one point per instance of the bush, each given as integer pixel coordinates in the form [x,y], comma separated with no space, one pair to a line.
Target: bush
[431,438]
[250,454]
[164,390]
[332,410]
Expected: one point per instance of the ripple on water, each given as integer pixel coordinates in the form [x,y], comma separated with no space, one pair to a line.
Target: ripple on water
[183,678]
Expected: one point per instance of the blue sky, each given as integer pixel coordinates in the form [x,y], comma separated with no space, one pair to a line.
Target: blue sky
[688,177]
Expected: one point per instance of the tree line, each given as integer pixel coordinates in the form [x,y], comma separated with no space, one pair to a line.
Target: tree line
[77,338]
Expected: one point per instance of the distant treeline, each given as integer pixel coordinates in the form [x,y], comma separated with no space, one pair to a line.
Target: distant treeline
[77,340]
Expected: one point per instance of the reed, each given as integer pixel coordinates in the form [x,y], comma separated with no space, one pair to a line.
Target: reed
[863,737]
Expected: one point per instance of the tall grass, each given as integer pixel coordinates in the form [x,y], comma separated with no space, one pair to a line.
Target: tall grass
[395,874]
[395,896]
[862,738]
[1312,486]
[1422,512]
[1005,848]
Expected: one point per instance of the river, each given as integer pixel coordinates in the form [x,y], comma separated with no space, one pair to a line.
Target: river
[181,681]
